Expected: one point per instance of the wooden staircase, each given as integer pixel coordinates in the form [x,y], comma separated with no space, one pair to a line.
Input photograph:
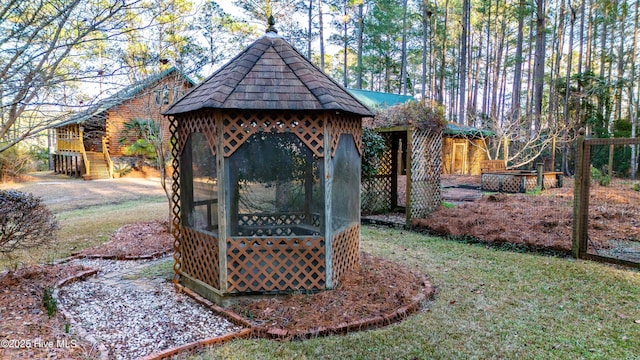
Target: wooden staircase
[99,168]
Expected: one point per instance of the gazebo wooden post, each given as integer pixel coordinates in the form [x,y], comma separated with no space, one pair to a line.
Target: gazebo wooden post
[395,146]
[223,178]
[328,187]
[409,164]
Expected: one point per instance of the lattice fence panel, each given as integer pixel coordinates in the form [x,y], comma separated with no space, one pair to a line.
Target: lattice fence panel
[202,122]
[343,124]
[200,257]
[426,167]
[275,264]
[345,255]
[376,190]
[176,149]
[240,125]
[491,182]
[550,181]
[511,184]
[502,183]
[530,183]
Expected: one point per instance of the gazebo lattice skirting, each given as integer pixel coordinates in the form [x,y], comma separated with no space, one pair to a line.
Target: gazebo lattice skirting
[262,252]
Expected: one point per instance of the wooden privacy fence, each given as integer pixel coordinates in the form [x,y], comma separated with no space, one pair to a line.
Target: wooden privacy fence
[581,198]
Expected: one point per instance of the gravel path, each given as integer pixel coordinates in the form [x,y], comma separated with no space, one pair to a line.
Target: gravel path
[137,317]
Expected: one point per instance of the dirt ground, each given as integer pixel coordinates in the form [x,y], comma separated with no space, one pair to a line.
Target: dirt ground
[62,193]
[542,221]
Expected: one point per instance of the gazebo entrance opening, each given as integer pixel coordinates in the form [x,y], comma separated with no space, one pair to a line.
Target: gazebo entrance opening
[275,188]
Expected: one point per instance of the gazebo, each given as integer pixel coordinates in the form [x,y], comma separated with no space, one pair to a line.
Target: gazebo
[266,176]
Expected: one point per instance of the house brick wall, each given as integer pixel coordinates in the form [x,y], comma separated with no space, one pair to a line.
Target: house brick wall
[143,106]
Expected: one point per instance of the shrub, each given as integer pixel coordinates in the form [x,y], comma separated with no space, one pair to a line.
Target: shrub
[25,222]
[49,302]
[14,162]
[599,177]
[373,149]
[40,157]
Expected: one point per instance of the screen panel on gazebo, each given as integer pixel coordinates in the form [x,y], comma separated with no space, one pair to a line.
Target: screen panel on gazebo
[275,264]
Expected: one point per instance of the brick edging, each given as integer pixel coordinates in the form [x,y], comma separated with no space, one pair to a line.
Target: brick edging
[427,293]
[151,256]
[401,313]
[190,347]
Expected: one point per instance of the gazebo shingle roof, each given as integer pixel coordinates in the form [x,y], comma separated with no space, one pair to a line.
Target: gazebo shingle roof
[269,74]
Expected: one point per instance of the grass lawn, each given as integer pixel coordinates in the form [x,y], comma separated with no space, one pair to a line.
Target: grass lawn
[491,304]
[87,227]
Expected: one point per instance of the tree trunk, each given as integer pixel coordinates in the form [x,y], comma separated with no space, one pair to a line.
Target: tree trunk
[360,45]
[462,110]
[555,66]
[567,102]
[633,103]
[485,88]
[541,22]
[310,30]
[497,68]
[345,73]
[517,73]
[529,98]
[321,34]
[443,49]
[580,58]
[620,71]
[403,61]
[590,34]
[426,16]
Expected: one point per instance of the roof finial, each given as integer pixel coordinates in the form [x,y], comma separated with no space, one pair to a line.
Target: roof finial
[271,22]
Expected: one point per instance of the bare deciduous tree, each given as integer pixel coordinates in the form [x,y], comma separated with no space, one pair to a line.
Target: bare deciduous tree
[42,44]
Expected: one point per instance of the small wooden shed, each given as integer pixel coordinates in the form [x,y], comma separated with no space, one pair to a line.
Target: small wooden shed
[463,149]
[266,157]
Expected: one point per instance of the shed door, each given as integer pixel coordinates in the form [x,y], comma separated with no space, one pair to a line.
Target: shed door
[459,158]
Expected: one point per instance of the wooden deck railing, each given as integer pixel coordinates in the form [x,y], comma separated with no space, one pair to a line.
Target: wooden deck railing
[70,142]
[105,152]
[87,164]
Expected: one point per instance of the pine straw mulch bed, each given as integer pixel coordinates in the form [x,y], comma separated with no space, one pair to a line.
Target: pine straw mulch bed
[26,330]
[380,293]
[134,241]
[541,222]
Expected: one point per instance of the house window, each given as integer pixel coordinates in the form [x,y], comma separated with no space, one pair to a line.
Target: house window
[165,96]
[158,97]
[177,94]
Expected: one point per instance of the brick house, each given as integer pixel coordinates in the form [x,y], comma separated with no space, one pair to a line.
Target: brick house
[85,144]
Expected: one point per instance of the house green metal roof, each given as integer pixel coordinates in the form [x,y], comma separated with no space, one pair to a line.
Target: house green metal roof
[121,96]
[379,100]
[463,130]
